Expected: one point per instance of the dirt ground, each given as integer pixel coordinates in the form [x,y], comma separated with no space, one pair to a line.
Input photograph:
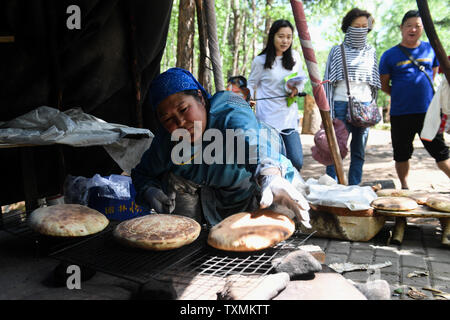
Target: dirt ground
[379,164]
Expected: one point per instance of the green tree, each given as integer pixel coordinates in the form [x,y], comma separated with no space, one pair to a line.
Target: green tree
[324,20]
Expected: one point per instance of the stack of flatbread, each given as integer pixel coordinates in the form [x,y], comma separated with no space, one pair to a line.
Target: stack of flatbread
[433,200]
[67,220]
[421,196]
[393,193]
[439,202]
[394,204]
[158,232]
[251,231]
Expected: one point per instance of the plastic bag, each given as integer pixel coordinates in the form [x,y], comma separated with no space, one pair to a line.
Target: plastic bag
[76,189]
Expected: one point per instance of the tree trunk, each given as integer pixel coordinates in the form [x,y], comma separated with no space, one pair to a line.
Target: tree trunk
[311,116]
[237,17]
[213,44]
[186,32]
[227,23]
[255,28]
[433,37]
[268,20]
[245,48]
[203,72]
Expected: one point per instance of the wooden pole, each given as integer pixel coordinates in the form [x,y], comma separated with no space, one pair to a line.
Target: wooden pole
[318,91]
[213,44]
[203,72]
[433,37]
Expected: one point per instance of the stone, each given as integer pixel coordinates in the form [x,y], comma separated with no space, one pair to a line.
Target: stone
[375,290]
[315,251]
[297,263]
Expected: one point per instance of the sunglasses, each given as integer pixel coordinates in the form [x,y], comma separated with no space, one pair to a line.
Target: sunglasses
[239,81]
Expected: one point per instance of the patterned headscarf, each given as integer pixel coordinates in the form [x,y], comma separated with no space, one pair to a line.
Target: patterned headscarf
[361,60]
[172,81]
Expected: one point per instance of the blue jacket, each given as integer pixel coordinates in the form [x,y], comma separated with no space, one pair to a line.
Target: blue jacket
[231,180]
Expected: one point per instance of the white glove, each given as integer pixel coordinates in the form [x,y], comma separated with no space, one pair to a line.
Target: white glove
[159,201]
[277,190]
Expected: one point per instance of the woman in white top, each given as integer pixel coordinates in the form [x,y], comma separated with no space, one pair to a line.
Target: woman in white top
[267,79]
[364,81]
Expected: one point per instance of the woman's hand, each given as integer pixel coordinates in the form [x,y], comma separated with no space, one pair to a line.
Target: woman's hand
[287,200]
[294,91]
[159,201]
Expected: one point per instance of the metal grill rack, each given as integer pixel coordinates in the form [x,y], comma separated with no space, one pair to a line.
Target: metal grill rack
[196,271]
[15,223]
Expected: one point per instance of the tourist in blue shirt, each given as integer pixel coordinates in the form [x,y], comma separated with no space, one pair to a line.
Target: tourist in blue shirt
[411,93]
[204,174]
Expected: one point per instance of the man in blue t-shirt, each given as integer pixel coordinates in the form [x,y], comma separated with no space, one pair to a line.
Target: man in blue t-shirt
[411,92]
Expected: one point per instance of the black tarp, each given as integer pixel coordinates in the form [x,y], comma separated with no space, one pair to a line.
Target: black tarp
[91,68]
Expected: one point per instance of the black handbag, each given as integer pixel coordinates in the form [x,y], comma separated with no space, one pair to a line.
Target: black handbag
[358,113]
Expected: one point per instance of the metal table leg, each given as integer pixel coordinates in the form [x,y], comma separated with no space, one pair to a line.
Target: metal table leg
[29,178]
[445,225]
[399,230]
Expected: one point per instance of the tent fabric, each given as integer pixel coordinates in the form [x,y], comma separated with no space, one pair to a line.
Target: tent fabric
[91,68]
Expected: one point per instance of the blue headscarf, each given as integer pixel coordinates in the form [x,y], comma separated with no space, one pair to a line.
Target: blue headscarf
[172,81]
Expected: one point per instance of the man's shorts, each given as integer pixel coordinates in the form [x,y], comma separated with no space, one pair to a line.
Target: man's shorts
[403,130]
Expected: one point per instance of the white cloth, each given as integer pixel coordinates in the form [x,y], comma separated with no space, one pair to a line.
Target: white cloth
[360,90]
[440,101]
[270,83]
[353,198]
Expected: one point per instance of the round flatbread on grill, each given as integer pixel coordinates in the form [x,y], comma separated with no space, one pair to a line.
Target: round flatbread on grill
[67,220]
[440,202]
[421,196]
[247,231]
[394,204]
[158,232]
[393,193]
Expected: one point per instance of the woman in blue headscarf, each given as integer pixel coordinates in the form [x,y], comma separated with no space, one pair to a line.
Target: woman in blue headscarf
[211,157]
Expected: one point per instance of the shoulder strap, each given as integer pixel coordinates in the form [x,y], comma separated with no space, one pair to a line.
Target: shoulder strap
[417,64]
[344,64]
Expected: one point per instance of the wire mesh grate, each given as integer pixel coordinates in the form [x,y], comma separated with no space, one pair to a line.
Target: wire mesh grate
[15,223]
[196,271]
[209,271]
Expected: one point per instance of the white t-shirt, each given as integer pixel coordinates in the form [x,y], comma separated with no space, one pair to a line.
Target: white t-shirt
[270,83]
[360,90]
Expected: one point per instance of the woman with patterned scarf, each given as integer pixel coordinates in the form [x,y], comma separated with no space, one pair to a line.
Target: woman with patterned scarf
[364,81]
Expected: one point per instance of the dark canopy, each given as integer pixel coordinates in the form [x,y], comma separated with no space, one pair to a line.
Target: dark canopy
[104,68]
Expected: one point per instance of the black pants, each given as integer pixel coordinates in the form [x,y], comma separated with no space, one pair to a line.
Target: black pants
[403,132]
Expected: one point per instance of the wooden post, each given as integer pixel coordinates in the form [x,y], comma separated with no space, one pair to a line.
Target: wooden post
[433,37]
[318,91]
[203,72]
[214,44]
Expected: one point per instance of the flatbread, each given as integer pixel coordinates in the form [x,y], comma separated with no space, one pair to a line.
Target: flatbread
[393,193]
[421,196]
[394,204]
[440,202]
[247,231]
[67,220]
[158,232]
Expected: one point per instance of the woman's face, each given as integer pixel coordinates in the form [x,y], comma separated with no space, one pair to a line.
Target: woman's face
[282,40]
[360,22]
[182,111]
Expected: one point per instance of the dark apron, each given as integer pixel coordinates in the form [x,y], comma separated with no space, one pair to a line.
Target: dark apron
[204,204]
